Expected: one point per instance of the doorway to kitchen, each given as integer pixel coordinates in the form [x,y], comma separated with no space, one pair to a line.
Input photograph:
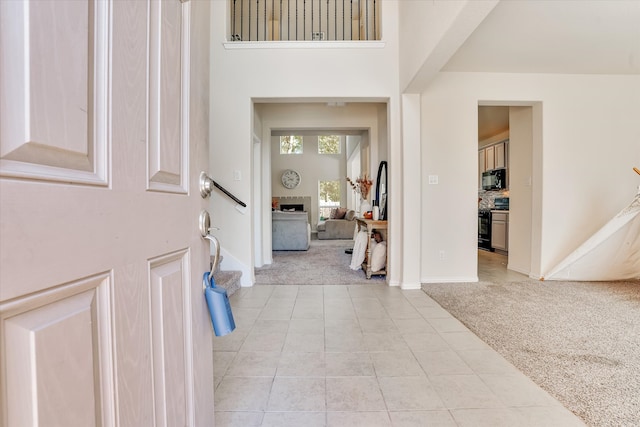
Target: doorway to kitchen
[506,151]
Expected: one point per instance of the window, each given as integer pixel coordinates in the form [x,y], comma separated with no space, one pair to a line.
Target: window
[329,144]
[291,144]
[328,197]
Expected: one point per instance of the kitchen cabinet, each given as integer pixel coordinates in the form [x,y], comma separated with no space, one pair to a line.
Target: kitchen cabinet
[500,155]
[482,166]
[500,230]
[490,157]
[493,156]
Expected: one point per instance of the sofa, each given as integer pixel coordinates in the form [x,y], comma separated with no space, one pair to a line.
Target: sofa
[341,226]
[290,231]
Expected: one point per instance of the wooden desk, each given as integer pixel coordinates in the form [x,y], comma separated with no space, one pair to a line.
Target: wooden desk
[371,225]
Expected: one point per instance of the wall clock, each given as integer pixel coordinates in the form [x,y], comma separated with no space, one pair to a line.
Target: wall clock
[290,179]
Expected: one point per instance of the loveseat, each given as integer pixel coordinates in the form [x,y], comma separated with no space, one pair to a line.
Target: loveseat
[341,226]
[290,231]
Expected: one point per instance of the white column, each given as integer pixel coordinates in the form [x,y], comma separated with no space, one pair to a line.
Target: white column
[411,189]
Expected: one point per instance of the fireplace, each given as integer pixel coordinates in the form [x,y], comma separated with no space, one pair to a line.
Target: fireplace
[297,203]
[290,207]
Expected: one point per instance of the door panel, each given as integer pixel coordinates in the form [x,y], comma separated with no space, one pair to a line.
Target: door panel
[102,317]
[57,338]
[169,285]
[55,78]
[168,97]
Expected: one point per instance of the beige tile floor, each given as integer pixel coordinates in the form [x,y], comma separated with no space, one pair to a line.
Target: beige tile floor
[365,356]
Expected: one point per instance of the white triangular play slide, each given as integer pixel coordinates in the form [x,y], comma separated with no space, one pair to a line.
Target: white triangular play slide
[612,253]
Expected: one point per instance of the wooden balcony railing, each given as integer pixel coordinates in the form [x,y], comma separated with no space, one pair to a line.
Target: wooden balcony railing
[305,20]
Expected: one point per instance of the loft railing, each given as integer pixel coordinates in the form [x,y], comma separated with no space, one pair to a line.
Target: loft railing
[304,20]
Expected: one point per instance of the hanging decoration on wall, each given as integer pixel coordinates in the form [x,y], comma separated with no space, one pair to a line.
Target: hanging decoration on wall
[291,179]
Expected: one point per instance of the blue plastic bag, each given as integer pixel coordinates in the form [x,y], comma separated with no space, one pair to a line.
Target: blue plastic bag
[219,307]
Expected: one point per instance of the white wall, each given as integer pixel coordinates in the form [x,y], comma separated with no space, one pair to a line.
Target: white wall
[432,31]
[424,24]
[411,184]
[582,160]
[242,73]
[589,130]
[520,188]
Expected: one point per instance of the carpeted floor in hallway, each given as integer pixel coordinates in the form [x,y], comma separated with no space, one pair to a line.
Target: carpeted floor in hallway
[325,263]
[580,341]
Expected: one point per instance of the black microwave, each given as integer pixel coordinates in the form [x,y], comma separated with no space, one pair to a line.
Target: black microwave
[494,179]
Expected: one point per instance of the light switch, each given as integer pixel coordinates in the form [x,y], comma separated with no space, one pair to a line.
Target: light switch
[237,176]
[433,179]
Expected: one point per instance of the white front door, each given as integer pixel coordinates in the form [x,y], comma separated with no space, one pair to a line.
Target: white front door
[103,134]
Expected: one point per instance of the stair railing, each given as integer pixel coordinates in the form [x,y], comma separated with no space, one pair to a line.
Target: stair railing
[228,194]
[206,184]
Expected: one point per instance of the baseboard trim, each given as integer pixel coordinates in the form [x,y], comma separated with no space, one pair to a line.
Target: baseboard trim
[229,262]
[450,279]
[518,270]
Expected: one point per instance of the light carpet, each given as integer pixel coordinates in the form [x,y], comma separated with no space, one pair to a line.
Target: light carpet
[325,263]
[580,341]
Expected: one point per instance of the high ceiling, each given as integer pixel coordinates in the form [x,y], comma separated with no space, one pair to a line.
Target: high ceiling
[560,36]
[549,36]
[544,36]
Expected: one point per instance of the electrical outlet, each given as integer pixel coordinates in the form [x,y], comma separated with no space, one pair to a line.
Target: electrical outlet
[433,179]
[442,255]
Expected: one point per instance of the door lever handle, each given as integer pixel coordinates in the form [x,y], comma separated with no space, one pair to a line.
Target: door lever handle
[204,224]
[216,256]
[205,228]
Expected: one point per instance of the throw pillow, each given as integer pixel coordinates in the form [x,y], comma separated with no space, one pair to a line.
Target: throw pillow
[372,245]
[340,213]
[359,250]
[332,214]
[379,256]
[351,214]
